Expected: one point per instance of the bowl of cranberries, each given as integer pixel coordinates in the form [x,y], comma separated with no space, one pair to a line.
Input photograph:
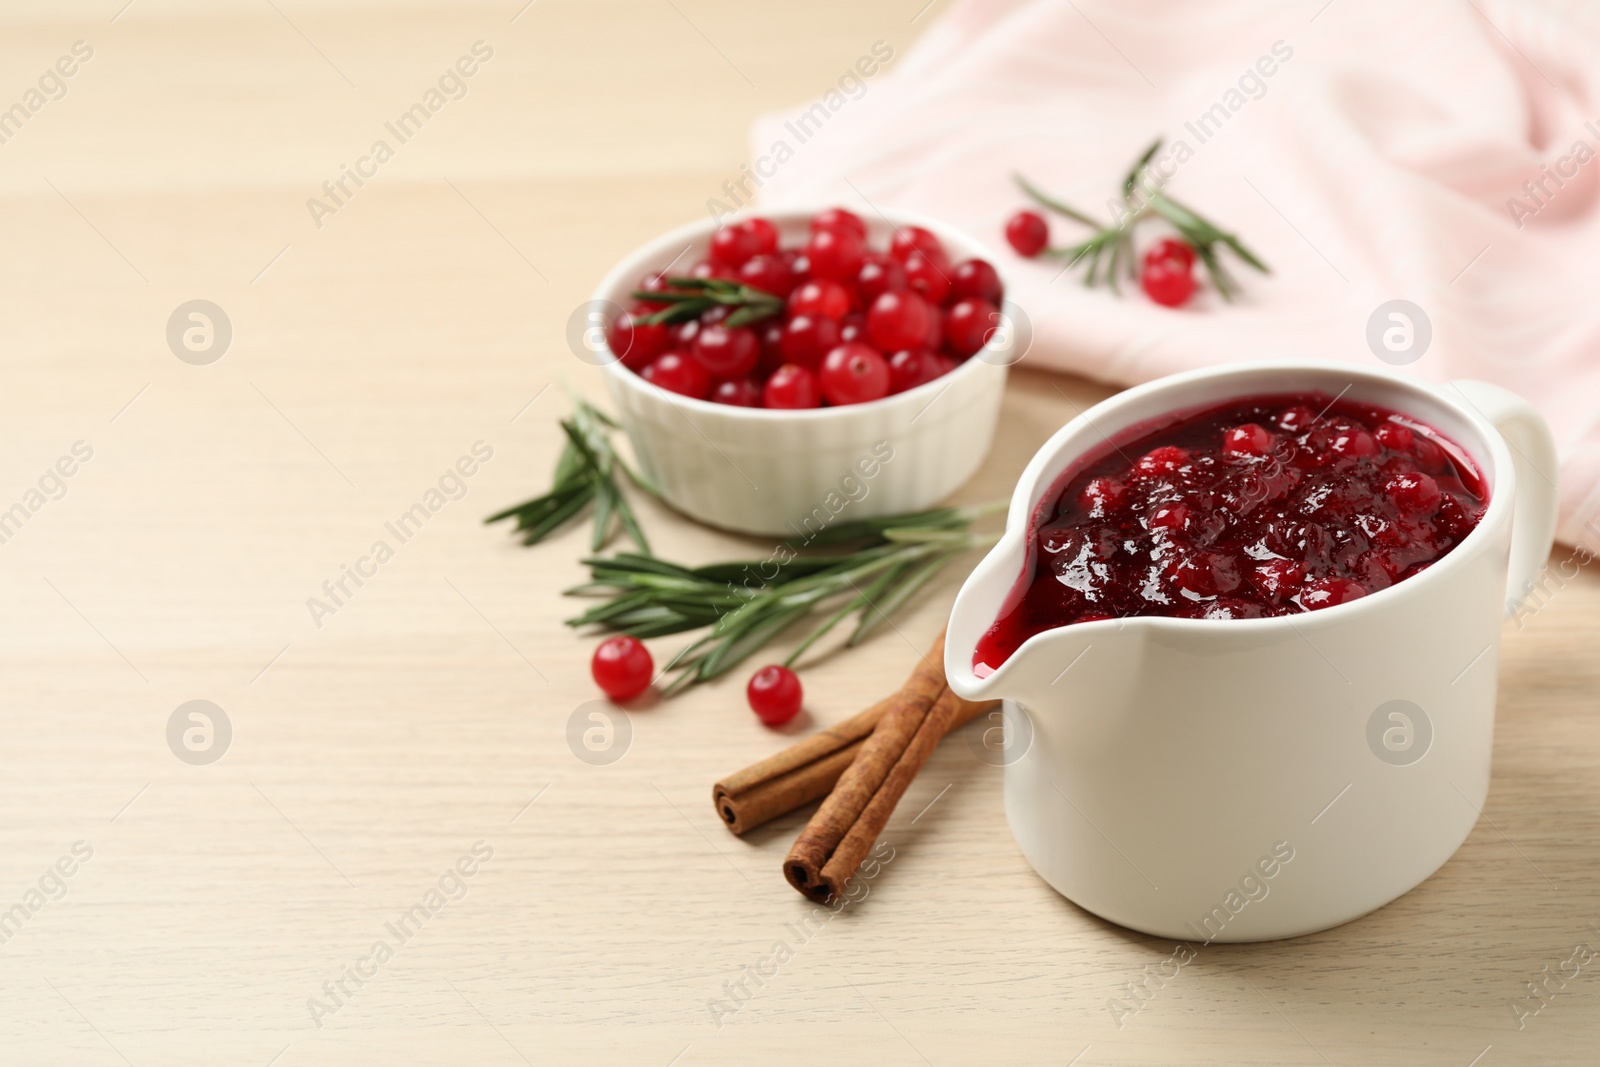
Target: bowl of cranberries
[782,366]
[1247,622]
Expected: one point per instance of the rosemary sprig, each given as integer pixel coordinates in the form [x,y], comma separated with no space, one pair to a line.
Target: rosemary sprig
[585,472]
[748,604]
[1143,197]
[689,298]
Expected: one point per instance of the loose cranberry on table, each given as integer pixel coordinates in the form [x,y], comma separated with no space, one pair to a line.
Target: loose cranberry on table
[774,694]
[1028,233]
[622,667]
[1173,249]
[1267,506]
[791,387]
[854,374]
[1167,279]
[677,372]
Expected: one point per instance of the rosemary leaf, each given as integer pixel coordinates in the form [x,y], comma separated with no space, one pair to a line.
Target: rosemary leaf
[585,473]
[742,606]
[879,612]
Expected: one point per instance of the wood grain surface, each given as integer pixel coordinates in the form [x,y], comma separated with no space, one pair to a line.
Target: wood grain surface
[374,748]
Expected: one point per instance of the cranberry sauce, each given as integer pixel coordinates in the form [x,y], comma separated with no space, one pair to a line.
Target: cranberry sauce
[1271,505]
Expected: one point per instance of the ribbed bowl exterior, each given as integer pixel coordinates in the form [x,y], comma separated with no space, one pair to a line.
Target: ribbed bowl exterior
[792,473]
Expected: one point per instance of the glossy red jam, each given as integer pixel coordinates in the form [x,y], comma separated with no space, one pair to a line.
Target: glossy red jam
[1272,505]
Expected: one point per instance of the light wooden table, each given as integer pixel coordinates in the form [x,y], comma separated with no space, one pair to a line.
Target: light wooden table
[428,713]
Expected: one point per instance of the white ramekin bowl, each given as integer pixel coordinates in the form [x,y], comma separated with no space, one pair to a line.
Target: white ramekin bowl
[792,472]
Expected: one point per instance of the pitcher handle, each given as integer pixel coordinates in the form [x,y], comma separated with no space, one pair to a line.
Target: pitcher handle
[1533,453]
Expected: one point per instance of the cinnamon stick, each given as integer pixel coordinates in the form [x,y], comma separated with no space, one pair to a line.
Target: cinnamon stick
[799,774]
[803,772]
[863,833]
[829,850]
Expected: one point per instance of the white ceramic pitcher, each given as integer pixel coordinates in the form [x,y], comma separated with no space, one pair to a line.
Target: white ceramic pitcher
[1240,780]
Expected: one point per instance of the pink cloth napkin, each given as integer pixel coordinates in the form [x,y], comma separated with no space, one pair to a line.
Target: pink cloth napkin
[1443,153]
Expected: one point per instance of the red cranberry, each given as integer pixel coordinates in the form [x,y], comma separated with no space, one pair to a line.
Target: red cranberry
[1328,592]
[911,367]
[1167,281]
[969,324]
[679,373]
[879,275]
[976,278]
[835,255]
[1247,440]
[774,694]
[1393,436]
[1297,420]
[1101,496]
[934,340]
[1278,579]
[715,269]
[1161,461]
[807,338]
[1416,495]
[909,239]
[652,283]
[1171,249]
[771,334]
[837,218]
[1356,443]
[899,320]
[927,278]
[799,265]
[854,374]
[1171,517]
[635,342]
[622,667]
[827,299]
[791,387]
[767,272]
[1205,574]
[763,236]
[732,245]
[1225,607]
[742,393]
[683,335]
[726,353]
[853,327]
[1028,233]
